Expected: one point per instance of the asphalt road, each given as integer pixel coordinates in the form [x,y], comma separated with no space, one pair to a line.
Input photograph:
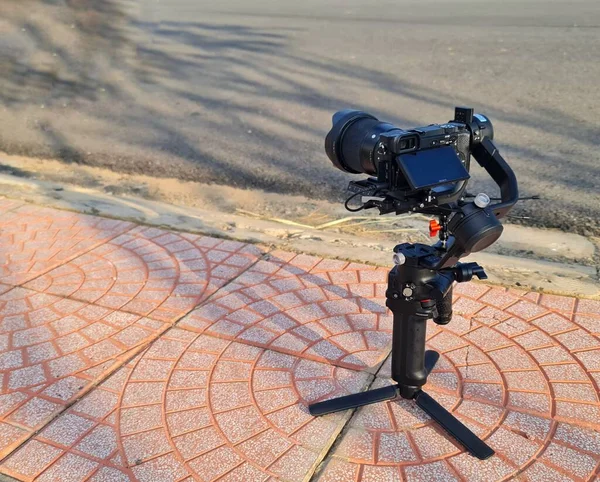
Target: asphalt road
[241,92]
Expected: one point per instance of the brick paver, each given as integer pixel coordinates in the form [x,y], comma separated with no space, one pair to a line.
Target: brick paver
[194,405]
[54,348]
[151,272]
[325,310]
[9,204]
[34,239]
[524,378]
[63,331]
[223,394]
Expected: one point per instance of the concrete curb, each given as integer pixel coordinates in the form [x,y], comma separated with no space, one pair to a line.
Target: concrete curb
[504,266]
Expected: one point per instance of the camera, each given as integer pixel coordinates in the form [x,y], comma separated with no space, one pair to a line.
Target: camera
[426,170]
[413,169]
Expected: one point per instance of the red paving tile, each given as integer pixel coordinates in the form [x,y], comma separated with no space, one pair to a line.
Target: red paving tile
[245,418]
[150,272]
[528,385]
[563,304]
[223,396]
[9,204]
[55,348]
[304,306]
[54,343]
[34,240]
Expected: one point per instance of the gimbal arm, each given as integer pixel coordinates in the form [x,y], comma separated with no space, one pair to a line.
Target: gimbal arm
[488,157]
[472,228]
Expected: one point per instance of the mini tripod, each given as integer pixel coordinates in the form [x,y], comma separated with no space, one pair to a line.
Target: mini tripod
[417,291]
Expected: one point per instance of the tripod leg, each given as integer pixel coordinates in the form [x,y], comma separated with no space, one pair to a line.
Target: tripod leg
[431,358]
[454,427]
[353,401]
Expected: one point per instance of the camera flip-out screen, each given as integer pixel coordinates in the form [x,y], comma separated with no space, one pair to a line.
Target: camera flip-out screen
[432,167]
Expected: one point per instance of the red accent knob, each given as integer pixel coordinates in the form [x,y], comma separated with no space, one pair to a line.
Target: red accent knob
[434,228]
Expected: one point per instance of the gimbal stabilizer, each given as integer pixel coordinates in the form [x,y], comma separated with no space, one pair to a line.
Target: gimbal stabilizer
[420,288]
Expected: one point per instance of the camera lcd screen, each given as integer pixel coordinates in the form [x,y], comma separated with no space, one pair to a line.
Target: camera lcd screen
[432,167]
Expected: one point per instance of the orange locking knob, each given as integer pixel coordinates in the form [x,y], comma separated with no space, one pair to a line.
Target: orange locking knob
[434,228]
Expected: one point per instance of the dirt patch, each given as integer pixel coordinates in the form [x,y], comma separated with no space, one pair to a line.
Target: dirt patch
[293,210]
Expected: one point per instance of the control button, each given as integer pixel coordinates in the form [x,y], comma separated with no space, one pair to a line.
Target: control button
[407,292]
[434,228]
[482,200]
[399,258]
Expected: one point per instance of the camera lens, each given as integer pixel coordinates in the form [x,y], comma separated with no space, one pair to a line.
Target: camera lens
[353,139]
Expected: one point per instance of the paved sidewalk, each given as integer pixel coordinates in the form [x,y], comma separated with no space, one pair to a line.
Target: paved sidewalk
[135,353]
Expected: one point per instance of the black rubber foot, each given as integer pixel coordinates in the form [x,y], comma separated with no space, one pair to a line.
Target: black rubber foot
[353,401]
[454,427]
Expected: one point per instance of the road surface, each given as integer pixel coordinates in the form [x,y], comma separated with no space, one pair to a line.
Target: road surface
[241,92]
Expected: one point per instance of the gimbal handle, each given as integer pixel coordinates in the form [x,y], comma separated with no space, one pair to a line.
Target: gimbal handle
[488,157]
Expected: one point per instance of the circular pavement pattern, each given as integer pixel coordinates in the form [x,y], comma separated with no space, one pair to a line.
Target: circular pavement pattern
[69,327]
[326,310]
[34,239]
[196,406]
[521,370]
[52,348]
[150,271]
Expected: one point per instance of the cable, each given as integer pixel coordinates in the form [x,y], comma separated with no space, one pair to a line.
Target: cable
[364,206]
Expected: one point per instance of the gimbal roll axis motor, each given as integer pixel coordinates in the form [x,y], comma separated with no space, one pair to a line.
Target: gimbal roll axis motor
[424,170]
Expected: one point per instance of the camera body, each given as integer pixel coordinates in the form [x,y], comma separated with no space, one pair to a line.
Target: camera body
[435,150]
[415,168]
